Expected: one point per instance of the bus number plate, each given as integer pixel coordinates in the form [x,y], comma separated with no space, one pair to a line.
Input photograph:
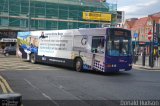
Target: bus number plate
[121,69]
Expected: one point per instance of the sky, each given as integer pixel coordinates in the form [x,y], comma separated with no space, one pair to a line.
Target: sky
[137,8]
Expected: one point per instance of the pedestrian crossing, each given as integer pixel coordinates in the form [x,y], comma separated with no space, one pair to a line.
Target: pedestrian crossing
[15,63]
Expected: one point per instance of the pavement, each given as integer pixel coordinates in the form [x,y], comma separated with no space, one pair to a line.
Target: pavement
[138,64]
[135,66]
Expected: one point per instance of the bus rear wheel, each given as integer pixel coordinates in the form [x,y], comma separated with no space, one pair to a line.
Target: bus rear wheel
[78,65]
[33,58]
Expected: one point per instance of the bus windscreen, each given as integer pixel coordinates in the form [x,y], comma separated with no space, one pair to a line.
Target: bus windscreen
[119,43]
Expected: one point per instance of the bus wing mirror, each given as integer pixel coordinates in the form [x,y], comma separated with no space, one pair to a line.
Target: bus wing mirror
[95,50]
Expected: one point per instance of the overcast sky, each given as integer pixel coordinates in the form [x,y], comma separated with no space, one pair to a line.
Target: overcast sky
[137,8]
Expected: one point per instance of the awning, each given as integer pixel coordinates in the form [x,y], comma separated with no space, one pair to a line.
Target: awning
[144,43]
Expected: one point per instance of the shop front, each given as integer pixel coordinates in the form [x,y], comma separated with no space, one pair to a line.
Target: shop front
[7,38]
[140,45]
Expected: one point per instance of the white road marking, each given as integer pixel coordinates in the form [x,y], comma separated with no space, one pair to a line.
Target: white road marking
[46,96]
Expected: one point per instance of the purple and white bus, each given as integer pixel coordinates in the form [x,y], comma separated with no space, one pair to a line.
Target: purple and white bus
[101,49]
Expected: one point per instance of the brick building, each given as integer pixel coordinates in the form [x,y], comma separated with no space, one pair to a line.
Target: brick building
[142,27]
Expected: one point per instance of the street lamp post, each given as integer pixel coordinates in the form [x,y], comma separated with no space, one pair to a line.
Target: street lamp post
[150,52]
[152,56]
[135,52]
[135,48]
[150,46]
[29,15]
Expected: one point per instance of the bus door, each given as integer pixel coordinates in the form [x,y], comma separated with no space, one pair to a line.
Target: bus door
[97,48]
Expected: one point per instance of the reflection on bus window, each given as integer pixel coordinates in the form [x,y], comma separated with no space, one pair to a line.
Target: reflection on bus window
[118,47]
[113,48]
[100,48]
[98,44]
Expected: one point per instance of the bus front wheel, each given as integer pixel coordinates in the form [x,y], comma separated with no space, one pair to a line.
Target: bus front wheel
[33,58]
[78,65]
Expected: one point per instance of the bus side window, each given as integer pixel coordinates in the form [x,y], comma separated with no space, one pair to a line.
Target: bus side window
[97,44]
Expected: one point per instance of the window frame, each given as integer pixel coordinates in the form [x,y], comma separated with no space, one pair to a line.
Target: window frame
[94,49]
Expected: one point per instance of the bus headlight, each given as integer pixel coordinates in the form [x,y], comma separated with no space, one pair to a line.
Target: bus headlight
[114,65]
[111,65]
[129,64]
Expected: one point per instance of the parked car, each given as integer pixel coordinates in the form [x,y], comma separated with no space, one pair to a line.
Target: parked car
[9,50]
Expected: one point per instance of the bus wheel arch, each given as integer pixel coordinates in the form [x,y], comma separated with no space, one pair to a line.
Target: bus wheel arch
[32,58]
[6,54]
[78,64]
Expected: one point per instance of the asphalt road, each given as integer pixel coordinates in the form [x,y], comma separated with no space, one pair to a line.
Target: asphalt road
[60,86]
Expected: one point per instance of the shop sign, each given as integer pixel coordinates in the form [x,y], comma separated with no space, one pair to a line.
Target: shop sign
[96,16]
[8,40]
[8,34]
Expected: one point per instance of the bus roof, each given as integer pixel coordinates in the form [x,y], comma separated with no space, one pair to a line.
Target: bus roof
[80,31]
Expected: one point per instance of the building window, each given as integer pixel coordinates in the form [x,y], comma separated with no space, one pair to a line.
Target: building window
[149,23]
[146,30]
[4,21]
[23,23]
[54,25]
[41,24]
[125,27]
[98,44]
[70,25]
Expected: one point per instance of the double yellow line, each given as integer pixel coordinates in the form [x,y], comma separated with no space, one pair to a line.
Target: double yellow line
[5,86]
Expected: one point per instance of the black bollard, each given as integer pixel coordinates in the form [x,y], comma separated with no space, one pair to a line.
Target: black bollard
[143,58]
[133,58]
[136,57]
[152,61]
[12,99]
[149,60]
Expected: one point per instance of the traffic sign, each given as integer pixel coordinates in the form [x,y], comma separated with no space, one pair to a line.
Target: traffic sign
[135,35]
[149,35]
